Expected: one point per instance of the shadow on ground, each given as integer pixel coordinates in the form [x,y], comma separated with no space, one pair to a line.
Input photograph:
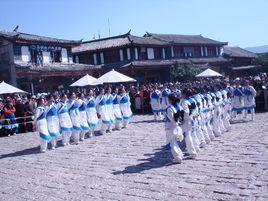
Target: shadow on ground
[145,122]
[160,158]
[25,152]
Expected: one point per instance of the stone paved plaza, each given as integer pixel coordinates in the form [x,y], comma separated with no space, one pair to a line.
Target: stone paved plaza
[132,165]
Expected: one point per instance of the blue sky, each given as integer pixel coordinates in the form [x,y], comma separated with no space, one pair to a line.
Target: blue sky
[240,22]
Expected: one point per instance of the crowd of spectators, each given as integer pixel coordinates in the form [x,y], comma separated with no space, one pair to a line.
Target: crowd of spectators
[16,111]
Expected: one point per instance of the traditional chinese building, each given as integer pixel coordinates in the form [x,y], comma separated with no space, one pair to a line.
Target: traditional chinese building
[150,57]
[241,60]
[38,62]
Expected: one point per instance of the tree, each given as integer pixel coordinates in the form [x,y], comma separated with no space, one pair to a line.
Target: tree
[184,71]
[262,61]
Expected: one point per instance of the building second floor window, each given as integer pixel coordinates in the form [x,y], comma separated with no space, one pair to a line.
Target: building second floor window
[188,51]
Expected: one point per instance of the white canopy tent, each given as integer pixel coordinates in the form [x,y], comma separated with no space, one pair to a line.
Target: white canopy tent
[209,73]
[114,77]
[84,81]
[9,89]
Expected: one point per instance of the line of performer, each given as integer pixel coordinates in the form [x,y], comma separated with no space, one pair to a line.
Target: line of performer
[195,116]
[72,118]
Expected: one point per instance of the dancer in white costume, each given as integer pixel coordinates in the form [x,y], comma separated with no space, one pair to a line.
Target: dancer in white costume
[125,108]
[103,112]
[66,125]
[226,109]
[117,110]
[216,116]
[237,102]
[83,116]
[209,116]
[164,102]
[74,114]
[110,108]
[219,99]
[156,104]
[187,125]
[92,116]
[172,128]
[249,100]
[202,136]
[52,120]
[41,124]
[194,122]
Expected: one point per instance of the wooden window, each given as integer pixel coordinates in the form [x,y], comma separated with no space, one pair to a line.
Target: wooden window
[211,51]
[55,56]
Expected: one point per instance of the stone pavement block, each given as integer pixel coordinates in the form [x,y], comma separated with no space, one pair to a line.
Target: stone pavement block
[132,165]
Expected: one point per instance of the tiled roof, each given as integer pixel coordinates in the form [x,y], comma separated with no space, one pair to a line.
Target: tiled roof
[147,39]
[13,35]
[185,39]
[238,52]
[116,41]
[103,43]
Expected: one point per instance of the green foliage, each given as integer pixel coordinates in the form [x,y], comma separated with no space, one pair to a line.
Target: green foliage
[184,71]
[262,61]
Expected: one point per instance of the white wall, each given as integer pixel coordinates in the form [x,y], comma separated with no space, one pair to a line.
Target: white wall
[150,53]
[128,54]
[46,57]
[25,54]
[136,54]
[64,56]
[121,55]
[95,58]
[102,57]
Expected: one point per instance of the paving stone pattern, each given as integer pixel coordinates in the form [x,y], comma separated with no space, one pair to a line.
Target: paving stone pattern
[132,165]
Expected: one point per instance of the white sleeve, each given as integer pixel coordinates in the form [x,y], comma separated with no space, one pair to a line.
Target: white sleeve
[254,93]
[37,114]
[170,115]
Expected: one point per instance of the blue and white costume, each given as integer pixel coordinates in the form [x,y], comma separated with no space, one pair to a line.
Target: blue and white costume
[66,125]
[83,119]
[110,108]
[117,111]
[226,104]
[187,127]
[156,104]
[125,109]
[164,102]
[103,112]
[92,116]
[173,131]
[249,100]
[209,116]
[237,101]
[42,128]
[202,136]
[193,116]
[216,116]
[75,117]
[53,123]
